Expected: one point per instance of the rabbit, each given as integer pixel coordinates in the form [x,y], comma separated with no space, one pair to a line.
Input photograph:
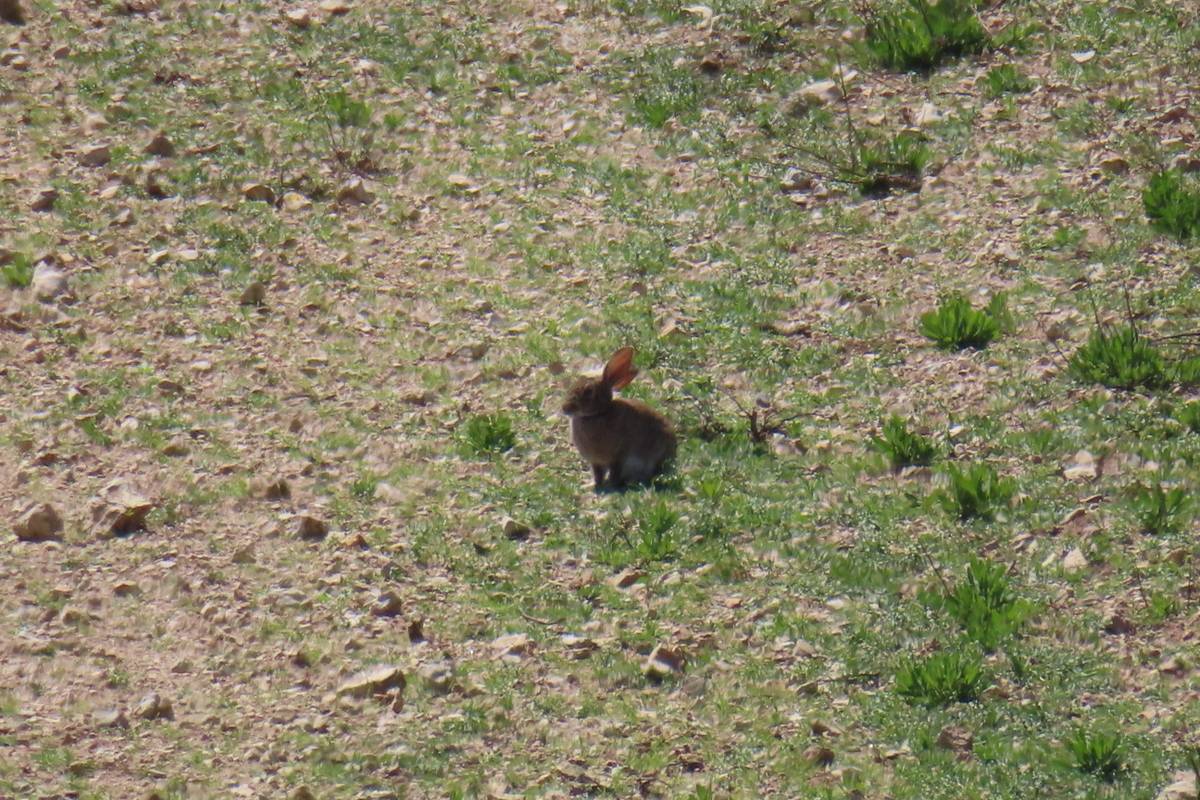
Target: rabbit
[625,441]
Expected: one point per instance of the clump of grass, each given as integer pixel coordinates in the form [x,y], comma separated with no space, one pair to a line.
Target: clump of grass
[1159,510]
[1173,204]
[956,325]
[1099,753]
[18,272]
[921,34]
[489,433]
[667,93]
[363,488]
[1161,606]
[1006,79]
[654,535]
[1189,416]
[1120,358]
[985,605]
[898,163]
[348,130]
[975,492]
[902,447]
[943,678]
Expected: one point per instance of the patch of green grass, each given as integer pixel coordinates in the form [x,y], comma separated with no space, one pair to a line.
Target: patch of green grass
[18,272]
[1160,511]
[1006,79]
[1099,753]
[919,34]
[650,534]
[1119,358]
[975,492]
[948,676]
[1189,416]
[902,447]
[985,605]
[117,677]
[348,129]
[1161,606]
[489,433]
[956,325]
[363,488]
[1172,203]
[899,163]
[56,758]
[656,534]
[663,92]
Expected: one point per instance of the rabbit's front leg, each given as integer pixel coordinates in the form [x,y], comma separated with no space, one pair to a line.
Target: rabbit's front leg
[598,474]
[615,479]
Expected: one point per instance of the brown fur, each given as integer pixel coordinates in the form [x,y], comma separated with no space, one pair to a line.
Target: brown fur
[11,11]
[624,440]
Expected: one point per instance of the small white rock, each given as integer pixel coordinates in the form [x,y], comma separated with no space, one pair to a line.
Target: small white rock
[1074,561]
[294,201]
[48,281]
[299,16]
[927,115]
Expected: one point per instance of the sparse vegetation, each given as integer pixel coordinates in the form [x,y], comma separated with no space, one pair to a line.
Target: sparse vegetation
[948,676]
[1172,203]
[348,126]
[17,272]
[1121,358]
[1189,416]
[955,325]
[1160,511]
[920,34]
[446,211]
[1098,752]
[489,433]
[902,447]
[898,163]
[1006,79]
[655,537]
[976,491]
[985,605]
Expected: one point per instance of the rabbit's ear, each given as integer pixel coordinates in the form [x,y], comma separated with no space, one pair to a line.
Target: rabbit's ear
[619,370]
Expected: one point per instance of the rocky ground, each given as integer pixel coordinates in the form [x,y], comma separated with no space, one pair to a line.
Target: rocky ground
[289,296]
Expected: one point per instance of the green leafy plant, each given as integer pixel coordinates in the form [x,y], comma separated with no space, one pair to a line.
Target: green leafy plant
[363,488]
[18,272]
[1006,79]
[1173,204]
[985,605]
[921,34]
[654,536]
[943,678]
[667,92]
[1161,606]
[975,492]
[1099,753]
[898,163]
[489,433]
[1189,416]
[902,447]
[1119,358]
[1160,510]
[956,325]
[348,127]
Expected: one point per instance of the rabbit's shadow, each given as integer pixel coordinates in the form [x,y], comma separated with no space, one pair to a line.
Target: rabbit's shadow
[667,482]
